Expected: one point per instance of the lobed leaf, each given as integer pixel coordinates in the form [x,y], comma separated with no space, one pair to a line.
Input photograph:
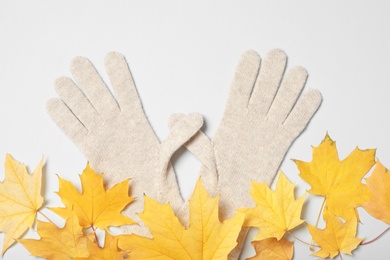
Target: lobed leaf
[205,238]
[20,199]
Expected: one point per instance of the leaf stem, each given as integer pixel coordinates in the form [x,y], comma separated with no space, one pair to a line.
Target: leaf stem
[318,220]
[319,213]
[46,217]
[96,238]
[300,240]
[373,240]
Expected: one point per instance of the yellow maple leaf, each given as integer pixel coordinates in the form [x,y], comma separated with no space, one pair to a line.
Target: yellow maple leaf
[57,244]
[276,211]
[20,199]
[274,249]
[109,251]
[206,237]
[94,207]
[338,181]
[337,237]
[379,185]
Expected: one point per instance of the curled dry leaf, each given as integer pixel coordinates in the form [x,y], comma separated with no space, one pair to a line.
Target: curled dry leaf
[206,237]
[338,181]
[379,185]
[337,237]
[94,207]
[20,199]
[274,249]
[276,211]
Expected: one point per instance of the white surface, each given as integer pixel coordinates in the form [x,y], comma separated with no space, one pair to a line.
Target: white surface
[183,55]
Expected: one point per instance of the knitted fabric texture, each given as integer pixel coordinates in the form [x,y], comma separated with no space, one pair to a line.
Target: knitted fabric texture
[264,114]
[115,135]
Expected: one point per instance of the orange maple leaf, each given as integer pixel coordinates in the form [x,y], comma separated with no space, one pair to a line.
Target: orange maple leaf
[379,185]
[274,249]
[94,207]
[337,237]
[338,181]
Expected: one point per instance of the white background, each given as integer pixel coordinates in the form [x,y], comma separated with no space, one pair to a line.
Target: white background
[182,55]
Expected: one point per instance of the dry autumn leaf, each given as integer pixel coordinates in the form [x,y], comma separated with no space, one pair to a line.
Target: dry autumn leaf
[337,237]
[338,181]
[206,237]
[274,249]
[276,211]
[20,199]
[379,185]
[109,251]
[58,244]
[94,207]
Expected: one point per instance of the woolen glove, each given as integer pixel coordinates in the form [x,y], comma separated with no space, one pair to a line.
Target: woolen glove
[264,114]
[115,135]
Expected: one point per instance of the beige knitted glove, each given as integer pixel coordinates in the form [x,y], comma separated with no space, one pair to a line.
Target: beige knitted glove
[115,135]
[262,118]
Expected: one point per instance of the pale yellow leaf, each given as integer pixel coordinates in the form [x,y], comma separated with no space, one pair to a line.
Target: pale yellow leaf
[379,185]
[20,199]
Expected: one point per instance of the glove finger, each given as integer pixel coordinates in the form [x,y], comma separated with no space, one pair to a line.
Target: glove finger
[200,146]
[123,83]
[75,100]
[288,94]
[66,120]
[268,82]
[243,81]
[94,88]
[180,133]
[303,111]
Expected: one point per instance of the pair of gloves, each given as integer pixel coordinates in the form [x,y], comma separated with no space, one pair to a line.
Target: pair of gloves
[264,114]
